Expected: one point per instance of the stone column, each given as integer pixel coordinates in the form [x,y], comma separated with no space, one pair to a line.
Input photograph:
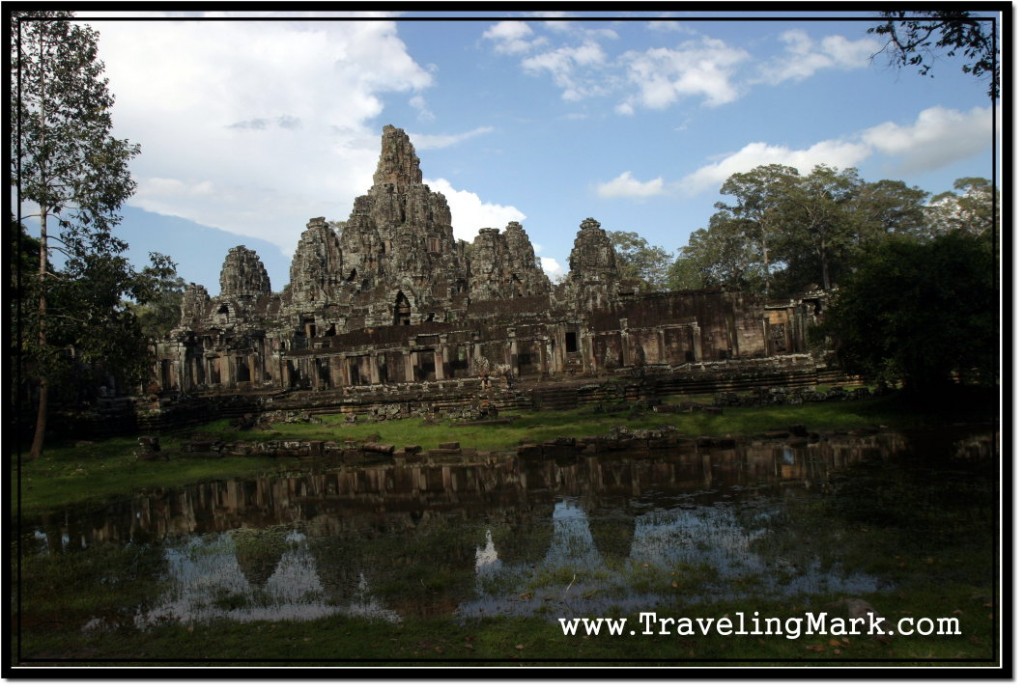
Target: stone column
[314,366]
[375,374]
[624,343]
[660,333]
[558,350]
[438,365]
[513,351]
[441,358]
[346,370]
[588,359]
[698,346]
[337,364]
[410,366]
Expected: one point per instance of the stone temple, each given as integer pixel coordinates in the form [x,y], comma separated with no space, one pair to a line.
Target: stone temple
[389,297]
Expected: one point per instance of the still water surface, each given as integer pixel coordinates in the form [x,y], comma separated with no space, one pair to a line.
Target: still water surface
[501,536]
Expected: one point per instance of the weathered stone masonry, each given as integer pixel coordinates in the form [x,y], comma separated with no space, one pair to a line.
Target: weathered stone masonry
[391,297]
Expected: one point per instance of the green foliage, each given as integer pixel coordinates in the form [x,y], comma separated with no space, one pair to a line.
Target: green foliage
[720,256]
[637,259]
[890,207]
[788,232]
[758,215]
[820,224]
[913,38]
[920,313]
[66,161]
[157,304]
[971,210]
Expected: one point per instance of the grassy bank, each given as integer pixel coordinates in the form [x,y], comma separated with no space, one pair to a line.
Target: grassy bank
[96,471]
[526,641]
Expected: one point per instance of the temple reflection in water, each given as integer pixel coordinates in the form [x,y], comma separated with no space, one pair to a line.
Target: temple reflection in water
[497,536]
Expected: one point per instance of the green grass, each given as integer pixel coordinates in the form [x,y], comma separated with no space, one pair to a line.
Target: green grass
[340,640]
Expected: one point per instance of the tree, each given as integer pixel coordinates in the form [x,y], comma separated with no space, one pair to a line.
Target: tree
[638,259]
[920,314]
[913,38]
[889,207]
[101,315]
[684,273]
[66,163]
[759,209]
[158,307]
[720,255]
[819,218]
[970,210]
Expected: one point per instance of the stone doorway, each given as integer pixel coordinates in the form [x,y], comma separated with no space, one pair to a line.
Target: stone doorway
[403,310]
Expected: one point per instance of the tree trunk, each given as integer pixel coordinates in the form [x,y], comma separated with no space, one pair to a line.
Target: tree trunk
[767,264]
[40,431]
[44,254]
[825,278]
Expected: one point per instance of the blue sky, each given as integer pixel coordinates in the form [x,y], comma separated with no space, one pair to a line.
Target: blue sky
[253,127]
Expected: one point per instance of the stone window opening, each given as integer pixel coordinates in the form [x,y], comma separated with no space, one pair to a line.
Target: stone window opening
[571,346]
[241,369]
[222,314]
[403,310]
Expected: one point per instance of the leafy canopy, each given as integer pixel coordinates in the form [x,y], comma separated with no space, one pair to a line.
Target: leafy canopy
[919,313]
[914,39]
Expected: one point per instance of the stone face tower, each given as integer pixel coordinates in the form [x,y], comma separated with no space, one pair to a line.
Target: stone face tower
[316,271]
[593,278]
[243,275]
[503,266]
[398,243]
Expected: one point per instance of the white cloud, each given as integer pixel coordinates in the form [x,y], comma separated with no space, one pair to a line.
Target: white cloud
[470,213]
[626,185]
[662,76]
[835,153]
[425,142]
[665,25]
[936,139]
[229,105]
[579,67]
[655,78]
[939,137]
[552,268]
[512,37]
[564,65]
[423,111]
[803,56]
